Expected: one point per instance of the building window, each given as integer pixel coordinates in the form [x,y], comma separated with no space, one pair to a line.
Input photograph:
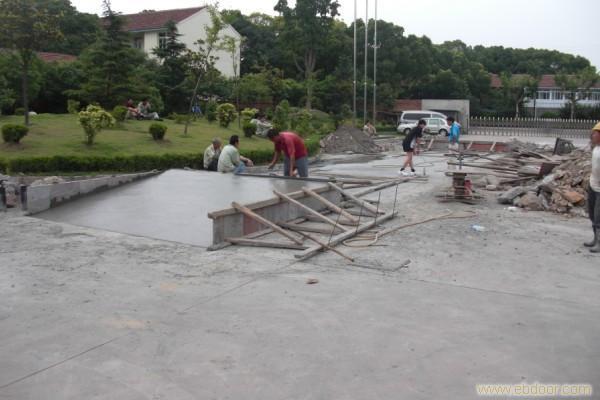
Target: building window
[138,42]
[162,40]
[543,95]
[558,95]
[595,96]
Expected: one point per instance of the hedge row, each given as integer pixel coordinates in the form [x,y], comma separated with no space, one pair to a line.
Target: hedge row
[134,163]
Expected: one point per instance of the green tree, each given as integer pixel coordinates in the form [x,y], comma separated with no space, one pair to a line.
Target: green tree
[173,70]
[78,29]
[515,90]
[577,85]
[26,25]
[7,96]
[110,64]
[304,32]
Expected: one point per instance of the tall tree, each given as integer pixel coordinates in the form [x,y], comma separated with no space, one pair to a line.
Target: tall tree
[306,28]
[577,85]
[26,26]
[173,69]
[78,29]
[515,90]
[110,64]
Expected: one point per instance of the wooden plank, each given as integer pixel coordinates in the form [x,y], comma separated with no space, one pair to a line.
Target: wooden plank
[326,246]
[352,197]
[263,243]
[493,147]
[251,214]
[340,221]
[309,210]
[266,203]
[382,186]
[346,235]
[329,204]
[430,144]
[469,146]
[307,228]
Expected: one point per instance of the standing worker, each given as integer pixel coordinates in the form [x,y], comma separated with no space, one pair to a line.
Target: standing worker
[294,150]
[593,200]
[410,145]
[454,134]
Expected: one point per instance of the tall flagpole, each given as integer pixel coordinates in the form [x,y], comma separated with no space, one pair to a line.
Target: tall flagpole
[354,82]
[366,60]
[375,46]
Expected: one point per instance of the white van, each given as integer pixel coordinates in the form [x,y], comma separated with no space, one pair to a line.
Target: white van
[415,115]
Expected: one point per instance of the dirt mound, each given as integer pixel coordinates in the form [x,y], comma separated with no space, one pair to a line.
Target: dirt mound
[349,139]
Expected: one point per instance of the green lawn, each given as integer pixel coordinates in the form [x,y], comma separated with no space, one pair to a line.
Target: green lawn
[61,135]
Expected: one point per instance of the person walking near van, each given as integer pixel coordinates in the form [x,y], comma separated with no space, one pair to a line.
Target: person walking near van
[410,145]
[453,134]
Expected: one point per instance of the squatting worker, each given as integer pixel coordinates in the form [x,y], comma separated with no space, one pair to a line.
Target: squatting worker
[594,191]
[211,155]
[454,134]
[410,145]
[292,146]
[230,159]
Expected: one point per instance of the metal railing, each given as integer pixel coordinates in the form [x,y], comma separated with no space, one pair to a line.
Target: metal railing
[546,127]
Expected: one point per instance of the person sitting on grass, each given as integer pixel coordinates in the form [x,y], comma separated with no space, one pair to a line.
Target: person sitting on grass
[132,112]
[144,109]
[230,159]
[211,155]
[410,145]
[262,125]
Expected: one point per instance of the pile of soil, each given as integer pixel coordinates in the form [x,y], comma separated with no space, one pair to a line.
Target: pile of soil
[349,140]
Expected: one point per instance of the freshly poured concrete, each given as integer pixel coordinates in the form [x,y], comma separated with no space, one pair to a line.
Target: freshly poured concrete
[90,314]
[172,206]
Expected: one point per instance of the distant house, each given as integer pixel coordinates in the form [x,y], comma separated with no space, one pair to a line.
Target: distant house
[148,32]
[549,95]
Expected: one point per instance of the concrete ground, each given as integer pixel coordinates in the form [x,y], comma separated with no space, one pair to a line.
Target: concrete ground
[91,314]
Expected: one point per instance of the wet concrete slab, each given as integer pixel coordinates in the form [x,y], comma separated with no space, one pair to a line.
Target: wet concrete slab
[172,206]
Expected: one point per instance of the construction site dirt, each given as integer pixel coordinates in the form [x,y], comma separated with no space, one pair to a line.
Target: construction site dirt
[461,295]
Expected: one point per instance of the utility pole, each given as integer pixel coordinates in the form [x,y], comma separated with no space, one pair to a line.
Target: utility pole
[366,60]
[375,47]
[354,82]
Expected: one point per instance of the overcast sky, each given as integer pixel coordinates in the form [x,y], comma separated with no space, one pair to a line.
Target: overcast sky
[571,26]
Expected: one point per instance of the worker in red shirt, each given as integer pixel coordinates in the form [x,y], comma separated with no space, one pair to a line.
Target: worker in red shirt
[296,157]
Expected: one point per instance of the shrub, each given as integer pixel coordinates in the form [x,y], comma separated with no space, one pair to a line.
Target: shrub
[93,119]
[73,106]
[13,133]
[158,131]
[281,117]
[248,114]
[211,111]
[179,118]
[225,114]
[249,129]
[301,122]
[19,111]
[119,113]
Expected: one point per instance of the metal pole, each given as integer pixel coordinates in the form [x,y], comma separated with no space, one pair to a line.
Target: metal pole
[354,82]
[375,46]
[366,59]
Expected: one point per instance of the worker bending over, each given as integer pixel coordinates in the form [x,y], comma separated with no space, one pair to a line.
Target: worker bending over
[296,156]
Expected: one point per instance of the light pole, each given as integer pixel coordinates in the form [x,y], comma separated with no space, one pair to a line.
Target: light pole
[354,81]
[375,47]
[366,60]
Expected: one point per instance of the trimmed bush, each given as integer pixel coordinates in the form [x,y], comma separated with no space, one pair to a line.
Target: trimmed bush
[225,114]
[19,111]
[158,131]
[281,117]
[13,133]
[249,129]
[119,113]
[93,120]
[73,106]
[180,118]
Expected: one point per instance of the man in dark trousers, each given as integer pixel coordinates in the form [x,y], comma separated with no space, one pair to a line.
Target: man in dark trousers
[294,150]
[410,145]
[593,200]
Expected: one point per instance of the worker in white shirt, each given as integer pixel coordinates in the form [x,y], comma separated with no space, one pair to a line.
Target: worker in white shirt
[211,155]
[593,200]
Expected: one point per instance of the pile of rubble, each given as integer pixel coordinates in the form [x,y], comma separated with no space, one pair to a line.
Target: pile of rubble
[347,139]
[563,190]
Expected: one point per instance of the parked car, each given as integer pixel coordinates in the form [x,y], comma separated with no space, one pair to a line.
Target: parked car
[415,115]
[435,126]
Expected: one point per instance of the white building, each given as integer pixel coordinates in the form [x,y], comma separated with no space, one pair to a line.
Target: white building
[148,32]
[549,95]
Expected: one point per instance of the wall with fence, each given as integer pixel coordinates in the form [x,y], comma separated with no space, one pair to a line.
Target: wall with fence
[548,127]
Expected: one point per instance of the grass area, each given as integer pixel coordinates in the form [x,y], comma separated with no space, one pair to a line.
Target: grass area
[60,135]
